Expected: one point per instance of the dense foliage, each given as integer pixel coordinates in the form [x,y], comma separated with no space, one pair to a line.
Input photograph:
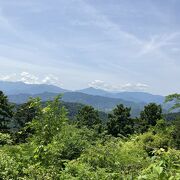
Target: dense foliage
[88,116]
[120,122]
[46,145]
[6,112]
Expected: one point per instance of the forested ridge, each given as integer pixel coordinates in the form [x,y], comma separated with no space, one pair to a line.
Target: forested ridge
[39,140]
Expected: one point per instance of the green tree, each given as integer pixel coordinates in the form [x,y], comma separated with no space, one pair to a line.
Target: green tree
[151,113]
[49,120]
[175,98]
[140,125]
[6,112]
[25,113]
[88,116]
[120,121]
[176,133]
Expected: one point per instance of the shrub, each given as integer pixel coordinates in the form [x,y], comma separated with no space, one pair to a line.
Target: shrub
[5,139]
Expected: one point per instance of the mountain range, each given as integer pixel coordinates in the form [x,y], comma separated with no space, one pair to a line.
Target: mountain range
[19,92]
[12,88]
[129,96]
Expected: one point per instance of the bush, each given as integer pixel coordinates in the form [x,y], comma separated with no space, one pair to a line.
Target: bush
[5,139]
[115,159]
[9,168]
[164,165]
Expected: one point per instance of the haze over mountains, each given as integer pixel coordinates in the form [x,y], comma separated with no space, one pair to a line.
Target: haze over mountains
[12,88]
[19,92]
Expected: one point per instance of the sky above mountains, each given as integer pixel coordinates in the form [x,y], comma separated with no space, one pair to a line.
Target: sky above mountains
[110,44]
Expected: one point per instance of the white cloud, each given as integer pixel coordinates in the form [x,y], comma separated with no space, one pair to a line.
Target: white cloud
[10,77]
[125,87]
[51,79]
[29,78]
[135,87]
[99,19]
[142,85]
[100,84]
[158,42]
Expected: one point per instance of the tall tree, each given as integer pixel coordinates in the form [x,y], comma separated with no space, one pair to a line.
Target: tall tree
[151,113]
[88,116]
[120,121]
[25,113]
[49,120]
[6,112]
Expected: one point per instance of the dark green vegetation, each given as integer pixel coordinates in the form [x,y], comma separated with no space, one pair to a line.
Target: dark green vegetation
[40,142]
[5,112]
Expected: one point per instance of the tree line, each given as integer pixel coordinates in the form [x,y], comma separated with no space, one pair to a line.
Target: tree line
[119,120]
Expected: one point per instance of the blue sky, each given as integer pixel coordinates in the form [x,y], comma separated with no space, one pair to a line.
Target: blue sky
[119,45]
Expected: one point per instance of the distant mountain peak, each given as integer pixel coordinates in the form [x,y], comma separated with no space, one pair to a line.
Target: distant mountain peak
[21,87]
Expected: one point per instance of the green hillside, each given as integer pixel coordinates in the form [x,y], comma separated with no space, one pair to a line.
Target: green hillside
[46,145]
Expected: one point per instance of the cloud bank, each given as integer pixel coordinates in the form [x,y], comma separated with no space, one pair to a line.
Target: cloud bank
[98,84]
[29,78]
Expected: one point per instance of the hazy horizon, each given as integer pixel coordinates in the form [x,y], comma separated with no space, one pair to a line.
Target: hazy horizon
[84,88]
[117,45]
